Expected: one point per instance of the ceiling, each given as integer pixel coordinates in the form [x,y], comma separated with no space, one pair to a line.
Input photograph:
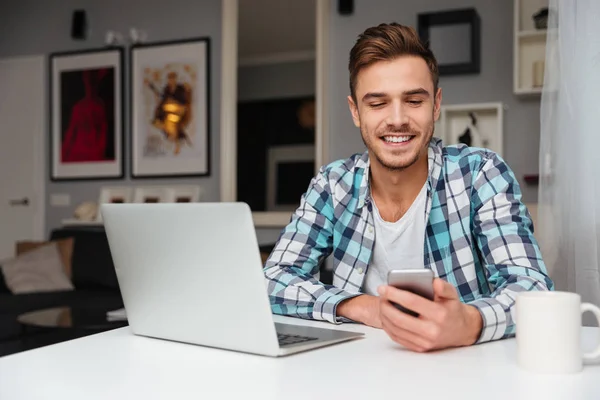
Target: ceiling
[268,27]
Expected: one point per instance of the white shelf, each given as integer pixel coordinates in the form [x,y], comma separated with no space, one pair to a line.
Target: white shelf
[536,34]
[455,118]
[77,222]
[529,91]
[529,46]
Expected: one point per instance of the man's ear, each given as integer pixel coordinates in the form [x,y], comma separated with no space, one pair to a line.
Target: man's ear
[437,104]
[354,112]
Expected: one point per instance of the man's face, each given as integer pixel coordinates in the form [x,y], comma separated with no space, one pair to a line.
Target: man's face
[396,110]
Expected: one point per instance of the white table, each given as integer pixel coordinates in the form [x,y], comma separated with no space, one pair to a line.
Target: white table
[119,365]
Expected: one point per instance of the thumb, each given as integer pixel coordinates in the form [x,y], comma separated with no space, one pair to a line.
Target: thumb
[443,289]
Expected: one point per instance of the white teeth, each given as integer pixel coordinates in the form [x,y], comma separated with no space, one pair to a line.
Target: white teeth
[396,139]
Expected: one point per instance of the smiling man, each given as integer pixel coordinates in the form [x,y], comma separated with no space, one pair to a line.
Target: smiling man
[408,202]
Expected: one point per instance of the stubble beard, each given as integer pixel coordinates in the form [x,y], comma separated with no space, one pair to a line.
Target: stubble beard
[414,158]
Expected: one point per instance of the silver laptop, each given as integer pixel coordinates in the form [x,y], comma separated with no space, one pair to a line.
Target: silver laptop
[192,273]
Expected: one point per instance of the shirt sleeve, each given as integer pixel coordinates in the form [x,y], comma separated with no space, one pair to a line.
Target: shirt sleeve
[293,264]
[503,230]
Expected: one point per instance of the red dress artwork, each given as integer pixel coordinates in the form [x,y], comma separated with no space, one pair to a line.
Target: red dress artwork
[86,136]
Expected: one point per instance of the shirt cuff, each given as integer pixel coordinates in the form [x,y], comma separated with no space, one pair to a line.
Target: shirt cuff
[493,317]
[325,307]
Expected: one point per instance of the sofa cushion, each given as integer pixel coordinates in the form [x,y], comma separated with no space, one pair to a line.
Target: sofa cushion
[39,270]
[65,248]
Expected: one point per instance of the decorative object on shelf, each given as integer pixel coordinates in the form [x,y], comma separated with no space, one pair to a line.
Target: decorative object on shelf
[475,125]
[540,18]
[538,74]
[531,179]
[151,194]
[86,114]
[454,38]
[471,135]
[86,211]
[170,108]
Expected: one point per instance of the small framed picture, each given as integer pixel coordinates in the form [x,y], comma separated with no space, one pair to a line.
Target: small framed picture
[86,115]
[170,116]
[114,194]
[184,194]
[151,194]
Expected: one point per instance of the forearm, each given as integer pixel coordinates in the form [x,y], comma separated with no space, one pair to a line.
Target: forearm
[294,292]
[497,309]
[361,308]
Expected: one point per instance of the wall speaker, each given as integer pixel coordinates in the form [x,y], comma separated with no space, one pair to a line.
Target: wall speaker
[78,25]
[345,7]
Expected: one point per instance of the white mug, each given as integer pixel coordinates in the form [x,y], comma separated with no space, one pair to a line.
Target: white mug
[548,330]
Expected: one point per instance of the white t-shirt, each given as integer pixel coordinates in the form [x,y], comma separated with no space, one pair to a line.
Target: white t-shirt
[398,245]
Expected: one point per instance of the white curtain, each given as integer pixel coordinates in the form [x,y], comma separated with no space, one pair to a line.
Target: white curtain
[569,193]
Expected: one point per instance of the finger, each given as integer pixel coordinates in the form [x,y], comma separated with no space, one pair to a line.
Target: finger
[416,303]
[444,290]
[406,343]
[405,338]
[419,327]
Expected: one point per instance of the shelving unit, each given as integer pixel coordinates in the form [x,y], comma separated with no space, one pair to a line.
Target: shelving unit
[529,46]
[455,118]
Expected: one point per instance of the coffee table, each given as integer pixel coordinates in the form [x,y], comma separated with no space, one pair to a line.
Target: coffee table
[70,317]
[54,325]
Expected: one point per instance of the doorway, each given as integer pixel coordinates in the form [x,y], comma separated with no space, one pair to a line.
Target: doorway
[22,132]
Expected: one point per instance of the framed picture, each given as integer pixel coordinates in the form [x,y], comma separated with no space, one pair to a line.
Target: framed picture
[86,114]
[150,194]
[184,194]
[454,38]
[114,194]
[170,109]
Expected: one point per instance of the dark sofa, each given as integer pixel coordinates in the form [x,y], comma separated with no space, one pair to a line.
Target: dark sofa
[94,279]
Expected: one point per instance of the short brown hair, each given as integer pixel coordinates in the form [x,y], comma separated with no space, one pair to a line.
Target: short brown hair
[384,43]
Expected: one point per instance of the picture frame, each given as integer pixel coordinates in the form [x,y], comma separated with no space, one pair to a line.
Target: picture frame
[184,194]
[150,194]
[114,194]
[454,36]
[476,125]
[170,108]
[86,114]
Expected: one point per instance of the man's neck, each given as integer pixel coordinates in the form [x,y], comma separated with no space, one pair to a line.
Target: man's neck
[395,190]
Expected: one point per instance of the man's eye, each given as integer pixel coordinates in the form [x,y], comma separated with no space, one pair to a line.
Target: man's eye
[376,104]
[415,102]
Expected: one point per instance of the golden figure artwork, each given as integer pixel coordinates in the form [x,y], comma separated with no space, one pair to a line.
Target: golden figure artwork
[172,107]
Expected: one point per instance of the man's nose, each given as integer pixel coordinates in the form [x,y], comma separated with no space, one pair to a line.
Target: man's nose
[398,115]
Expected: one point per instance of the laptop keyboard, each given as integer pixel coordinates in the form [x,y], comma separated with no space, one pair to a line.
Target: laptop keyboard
[286,340]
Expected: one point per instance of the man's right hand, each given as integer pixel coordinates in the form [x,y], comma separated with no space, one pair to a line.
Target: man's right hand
[363,309]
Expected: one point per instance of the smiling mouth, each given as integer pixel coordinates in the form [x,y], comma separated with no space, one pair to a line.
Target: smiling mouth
[397,140]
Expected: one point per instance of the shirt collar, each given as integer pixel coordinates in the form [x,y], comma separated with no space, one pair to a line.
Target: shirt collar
[434,163]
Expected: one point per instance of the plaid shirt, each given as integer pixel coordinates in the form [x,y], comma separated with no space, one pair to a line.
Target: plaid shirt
[479,237]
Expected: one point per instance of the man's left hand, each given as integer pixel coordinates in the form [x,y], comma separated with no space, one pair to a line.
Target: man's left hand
[442,323]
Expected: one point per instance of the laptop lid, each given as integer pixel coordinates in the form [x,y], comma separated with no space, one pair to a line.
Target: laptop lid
[192,272]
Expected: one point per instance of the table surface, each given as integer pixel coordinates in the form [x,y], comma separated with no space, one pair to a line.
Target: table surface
[69,317]
[119,365]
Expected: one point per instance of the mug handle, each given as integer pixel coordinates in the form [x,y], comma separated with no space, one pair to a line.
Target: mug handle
[594,354]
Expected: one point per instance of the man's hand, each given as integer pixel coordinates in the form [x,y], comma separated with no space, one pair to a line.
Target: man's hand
[442,323]
[363,309]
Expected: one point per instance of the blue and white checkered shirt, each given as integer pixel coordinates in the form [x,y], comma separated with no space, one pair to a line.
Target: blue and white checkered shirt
[479,237]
